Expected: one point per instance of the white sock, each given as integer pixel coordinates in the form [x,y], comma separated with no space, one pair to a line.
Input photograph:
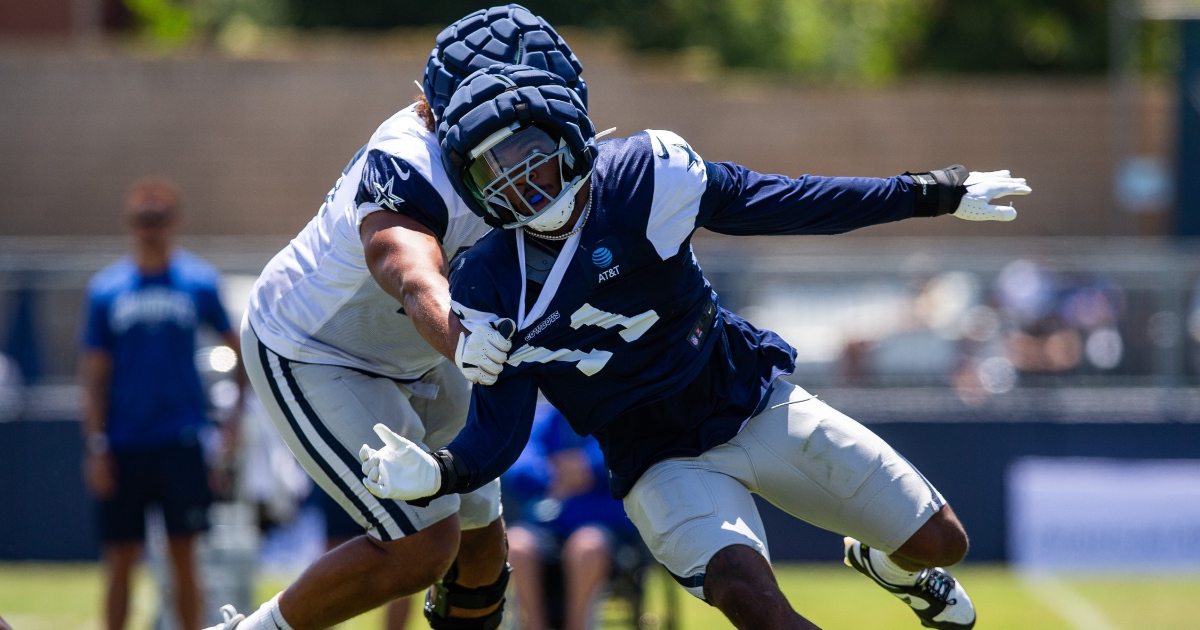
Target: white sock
[889,571]
[267,617]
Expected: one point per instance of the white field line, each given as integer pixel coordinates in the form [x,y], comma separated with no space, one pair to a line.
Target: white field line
[1056,595]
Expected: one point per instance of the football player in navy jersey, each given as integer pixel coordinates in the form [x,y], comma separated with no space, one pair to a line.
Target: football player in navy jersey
[350,325]
[617,326]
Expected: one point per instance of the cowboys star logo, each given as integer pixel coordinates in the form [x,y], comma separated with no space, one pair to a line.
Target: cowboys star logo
[384,197]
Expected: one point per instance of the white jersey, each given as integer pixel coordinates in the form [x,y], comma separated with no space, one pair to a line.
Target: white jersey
[316,301]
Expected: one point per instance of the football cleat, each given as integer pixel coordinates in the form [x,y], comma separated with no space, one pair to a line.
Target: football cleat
[936,598]
[232,618]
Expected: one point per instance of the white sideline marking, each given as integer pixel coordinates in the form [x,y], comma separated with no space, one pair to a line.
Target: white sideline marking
[1056,595]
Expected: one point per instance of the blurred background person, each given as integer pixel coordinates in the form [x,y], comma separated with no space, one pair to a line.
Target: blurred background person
[144,405]
[1055,321]
[567,518]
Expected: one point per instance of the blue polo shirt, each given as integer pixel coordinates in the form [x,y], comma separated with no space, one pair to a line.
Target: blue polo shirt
[529,480]
[148,323]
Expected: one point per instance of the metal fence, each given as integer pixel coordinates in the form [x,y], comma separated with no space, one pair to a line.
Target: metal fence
[973,320]
[964,356]
[983,317]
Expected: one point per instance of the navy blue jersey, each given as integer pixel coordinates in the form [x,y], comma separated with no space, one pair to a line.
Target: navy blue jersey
[148,323]
[626,338]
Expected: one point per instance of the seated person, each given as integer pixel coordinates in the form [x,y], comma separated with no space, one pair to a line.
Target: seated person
[560,483]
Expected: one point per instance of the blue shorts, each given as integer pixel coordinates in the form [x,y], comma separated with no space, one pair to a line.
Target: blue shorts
[550,541]
[174,478]
[338,524]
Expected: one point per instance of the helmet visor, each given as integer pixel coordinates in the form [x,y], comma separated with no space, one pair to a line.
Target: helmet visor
[510,153]
[500,176]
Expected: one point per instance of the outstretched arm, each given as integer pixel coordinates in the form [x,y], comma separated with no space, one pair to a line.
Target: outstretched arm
[742,202]
[406,259]
[402,223]
[739,201]
[690,193]
[497,430]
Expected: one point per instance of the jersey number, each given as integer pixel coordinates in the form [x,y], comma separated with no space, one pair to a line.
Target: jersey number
[591,361]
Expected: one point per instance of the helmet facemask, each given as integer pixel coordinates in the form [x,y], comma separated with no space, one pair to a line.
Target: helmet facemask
[499,177]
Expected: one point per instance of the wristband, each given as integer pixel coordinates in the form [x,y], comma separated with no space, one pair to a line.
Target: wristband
[938,192]
[454,476]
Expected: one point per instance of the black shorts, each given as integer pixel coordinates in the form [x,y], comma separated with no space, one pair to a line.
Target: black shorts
[174,478]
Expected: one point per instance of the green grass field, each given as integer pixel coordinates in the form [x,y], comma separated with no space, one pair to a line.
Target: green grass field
[67,597]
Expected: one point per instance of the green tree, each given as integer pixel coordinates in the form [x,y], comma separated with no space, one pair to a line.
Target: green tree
[839,39]
[862,39]
[163,20]
[1018,35]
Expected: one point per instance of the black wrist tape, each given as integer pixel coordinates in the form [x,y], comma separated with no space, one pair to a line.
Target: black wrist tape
[938,192]
[454,477]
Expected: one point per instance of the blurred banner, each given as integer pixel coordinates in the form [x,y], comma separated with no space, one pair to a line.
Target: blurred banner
[1079,513]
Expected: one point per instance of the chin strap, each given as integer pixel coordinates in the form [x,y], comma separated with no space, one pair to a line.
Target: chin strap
[578,226]
[448,593]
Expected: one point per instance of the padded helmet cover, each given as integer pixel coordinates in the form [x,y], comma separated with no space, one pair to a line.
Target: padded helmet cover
[498,97]
[504,35]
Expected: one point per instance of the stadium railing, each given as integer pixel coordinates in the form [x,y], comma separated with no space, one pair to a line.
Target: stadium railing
[965,355]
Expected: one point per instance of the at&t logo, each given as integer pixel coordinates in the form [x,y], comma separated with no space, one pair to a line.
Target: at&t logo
[602,257]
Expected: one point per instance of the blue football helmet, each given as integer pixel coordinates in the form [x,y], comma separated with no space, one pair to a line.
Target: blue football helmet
[503,123]
[500,35]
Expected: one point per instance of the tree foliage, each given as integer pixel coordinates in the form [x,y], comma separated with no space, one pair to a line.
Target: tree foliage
[1018,35]
[853,39]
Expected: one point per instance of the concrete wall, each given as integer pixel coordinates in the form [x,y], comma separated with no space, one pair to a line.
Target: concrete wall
[255,144]
[45,17]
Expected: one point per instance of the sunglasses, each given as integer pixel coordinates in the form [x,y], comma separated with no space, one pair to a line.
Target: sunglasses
[152,216]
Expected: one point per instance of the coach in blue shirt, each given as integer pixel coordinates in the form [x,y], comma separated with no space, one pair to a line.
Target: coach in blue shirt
[143,401]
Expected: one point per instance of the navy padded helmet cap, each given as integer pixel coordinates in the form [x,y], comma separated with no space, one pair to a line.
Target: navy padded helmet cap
[495,98]
[508,34]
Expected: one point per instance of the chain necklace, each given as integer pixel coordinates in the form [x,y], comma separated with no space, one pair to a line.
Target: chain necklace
[582,220]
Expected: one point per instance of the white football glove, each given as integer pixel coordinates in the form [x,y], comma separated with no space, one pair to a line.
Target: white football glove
[400,470]
[481,354]
[982,188]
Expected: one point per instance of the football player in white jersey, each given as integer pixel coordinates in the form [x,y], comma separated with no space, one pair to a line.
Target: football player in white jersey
[349,326]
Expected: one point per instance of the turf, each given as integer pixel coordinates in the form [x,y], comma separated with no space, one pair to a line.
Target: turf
[67,597]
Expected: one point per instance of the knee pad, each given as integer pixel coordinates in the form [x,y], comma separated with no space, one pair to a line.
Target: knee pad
[447,593]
